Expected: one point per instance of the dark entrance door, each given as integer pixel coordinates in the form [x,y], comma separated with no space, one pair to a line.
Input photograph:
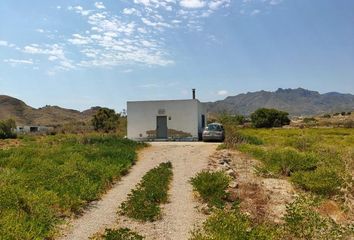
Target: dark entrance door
[161,127]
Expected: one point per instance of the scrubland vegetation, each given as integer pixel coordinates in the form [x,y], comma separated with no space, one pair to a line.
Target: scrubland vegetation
[267,118]
[144,202]
[318,161]
[121,234]
[48,178]
[6,129]
[212,187]
[227,222]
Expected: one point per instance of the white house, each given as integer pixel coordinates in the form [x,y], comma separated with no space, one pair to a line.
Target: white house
[166,119]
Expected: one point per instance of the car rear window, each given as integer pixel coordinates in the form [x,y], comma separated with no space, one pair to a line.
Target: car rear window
[214,127]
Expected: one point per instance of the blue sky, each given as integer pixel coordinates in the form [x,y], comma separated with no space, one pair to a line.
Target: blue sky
[78,54]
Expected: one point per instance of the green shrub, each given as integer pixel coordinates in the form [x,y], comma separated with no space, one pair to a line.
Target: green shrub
[235,137]
[284,161]
[268,118]
[321,181]
[211,186]
[309,120]
[256,151]
[302,143]
[121,234]
[232,225]
[7,129]
[302,221]
[287,161]
[348,124]
[231,120]
[106,120]
[143,202]
[48,178]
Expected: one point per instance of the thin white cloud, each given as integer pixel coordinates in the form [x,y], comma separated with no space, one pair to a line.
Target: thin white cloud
[150,85]
[256,7]
[79,40]
[130,11]
[144,2]
[113,41]
[192,3]
[99,5]
[52,58]
[55,52]
[255,12]
[3,43]
[222,92]
[80,9]
[158,25]
[159,85]
[134,36]
[15,62]
[275,2]
[216,4]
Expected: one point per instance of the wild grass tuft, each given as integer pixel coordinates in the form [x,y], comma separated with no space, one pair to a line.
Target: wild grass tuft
[48,178]
[302,221]
[322,181]
[232,225]
[121,234]
[211,186]
[235,137]
[144,202]
[315,159]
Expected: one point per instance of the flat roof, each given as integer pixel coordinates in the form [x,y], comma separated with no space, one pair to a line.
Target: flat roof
[173,100]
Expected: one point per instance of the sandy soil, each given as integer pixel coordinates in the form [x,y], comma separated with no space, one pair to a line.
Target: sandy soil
[263,199]
[179,215]
[6,144]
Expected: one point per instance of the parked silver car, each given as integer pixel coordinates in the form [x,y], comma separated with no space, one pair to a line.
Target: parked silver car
[214,132]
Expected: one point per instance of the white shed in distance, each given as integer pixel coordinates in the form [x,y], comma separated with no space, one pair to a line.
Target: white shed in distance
[166,119]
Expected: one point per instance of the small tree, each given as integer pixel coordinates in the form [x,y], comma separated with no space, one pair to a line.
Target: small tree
[7,129]
[267,118]
[228,119]
[106,120]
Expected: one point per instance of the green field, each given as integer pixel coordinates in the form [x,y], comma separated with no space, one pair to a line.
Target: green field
[48,178]
[144,201]
[320,161]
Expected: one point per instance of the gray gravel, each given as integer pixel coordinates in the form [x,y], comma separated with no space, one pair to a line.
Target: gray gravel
[179,215]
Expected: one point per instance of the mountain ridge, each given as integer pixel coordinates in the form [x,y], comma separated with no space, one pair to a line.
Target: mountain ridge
[298,102]
[23,114]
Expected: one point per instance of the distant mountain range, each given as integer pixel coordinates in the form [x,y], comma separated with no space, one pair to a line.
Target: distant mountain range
[297,102]
[49,115]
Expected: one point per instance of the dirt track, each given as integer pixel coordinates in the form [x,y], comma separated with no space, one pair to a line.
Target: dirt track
[179,215]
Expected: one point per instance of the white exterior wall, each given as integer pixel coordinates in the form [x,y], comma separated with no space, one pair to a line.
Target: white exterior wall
[182,115]
[202,111]
[39,129]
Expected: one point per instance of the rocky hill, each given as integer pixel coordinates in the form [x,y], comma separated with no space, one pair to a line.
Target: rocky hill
[49,115]
[298,102]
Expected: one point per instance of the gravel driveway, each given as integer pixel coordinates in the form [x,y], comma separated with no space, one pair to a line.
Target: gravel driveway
[179,215]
